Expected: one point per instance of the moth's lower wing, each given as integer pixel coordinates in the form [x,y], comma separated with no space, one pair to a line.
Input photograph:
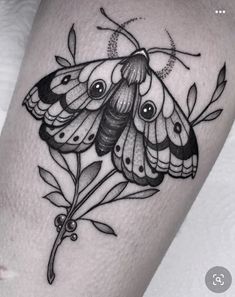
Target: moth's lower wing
[130,158]
[75,136]
[60,96]
[169,140]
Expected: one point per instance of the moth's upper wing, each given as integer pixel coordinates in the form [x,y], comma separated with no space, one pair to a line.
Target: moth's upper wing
[70,105]
[61,95]
[158,138]
[170,141]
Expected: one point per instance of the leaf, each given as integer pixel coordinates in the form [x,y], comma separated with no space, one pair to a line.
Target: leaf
[62,61]
[59,159]
[115,191]
[48,178]
[72,42]
[191,98]
[218,91]
[88,174]
[57,199]
[213,115]
[104,228]
[221,76]
[141,195]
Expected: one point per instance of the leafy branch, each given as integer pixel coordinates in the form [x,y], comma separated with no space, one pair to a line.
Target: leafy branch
[114,195]
[72,47]
[66,223]
[205,114]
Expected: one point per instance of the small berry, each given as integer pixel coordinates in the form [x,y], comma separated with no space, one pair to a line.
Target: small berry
[59,220]
[71,225]
[74,237]
[59,228]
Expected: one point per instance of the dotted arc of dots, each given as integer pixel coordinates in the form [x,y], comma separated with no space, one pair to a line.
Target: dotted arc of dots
[220,11]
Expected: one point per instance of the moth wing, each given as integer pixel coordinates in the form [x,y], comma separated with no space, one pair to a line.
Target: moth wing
[151,147]
[129,154]
[60,96]
[130,158]
[49,93]
[75,136]
[170,141]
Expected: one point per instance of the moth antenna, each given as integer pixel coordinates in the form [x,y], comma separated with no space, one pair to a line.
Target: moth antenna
[155,49]
[178,59]
[134,40]
[109,29]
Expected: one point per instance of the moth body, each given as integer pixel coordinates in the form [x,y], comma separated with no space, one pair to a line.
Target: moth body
[110,129]
[119,109]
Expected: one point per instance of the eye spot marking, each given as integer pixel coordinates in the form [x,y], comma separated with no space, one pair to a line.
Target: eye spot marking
[76,138]
[118,148]
[97,89]
[52,128]
[91,137]
[61,135]
[148,110]
[141,168]
[128,161]
[66,79]
[177,128]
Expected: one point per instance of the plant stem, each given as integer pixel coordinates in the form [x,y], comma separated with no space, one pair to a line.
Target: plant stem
[88,195]
[74,207]
[195,121]
[101,203]
[50,266]
[60,236]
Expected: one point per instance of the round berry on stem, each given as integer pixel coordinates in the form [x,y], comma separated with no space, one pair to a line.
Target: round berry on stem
[59,220]
[74,237]
[71,225]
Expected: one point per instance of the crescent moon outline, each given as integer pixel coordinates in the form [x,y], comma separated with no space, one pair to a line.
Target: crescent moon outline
[113,52]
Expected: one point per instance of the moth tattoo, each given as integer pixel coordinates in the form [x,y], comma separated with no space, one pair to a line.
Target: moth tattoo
[122,107]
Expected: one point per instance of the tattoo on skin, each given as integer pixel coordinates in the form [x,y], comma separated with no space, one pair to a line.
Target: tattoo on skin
[122,107]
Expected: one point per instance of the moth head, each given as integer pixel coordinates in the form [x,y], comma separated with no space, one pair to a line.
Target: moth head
[136,67]
[141,52]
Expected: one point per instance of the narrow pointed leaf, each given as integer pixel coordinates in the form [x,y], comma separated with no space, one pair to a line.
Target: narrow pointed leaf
[104,228]
[88,174]
[48,178]
[115,191]
[72,42]
[191,98]
[57,199]
[140,195]
[62,61]
[221,75]
[218,91]
[213,115]
[59,159]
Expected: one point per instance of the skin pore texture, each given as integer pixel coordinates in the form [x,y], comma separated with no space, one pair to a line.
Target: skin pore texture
[118,146]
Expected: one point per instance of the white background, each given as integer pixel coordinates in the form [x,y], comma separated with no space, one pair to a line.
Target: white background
[207,236]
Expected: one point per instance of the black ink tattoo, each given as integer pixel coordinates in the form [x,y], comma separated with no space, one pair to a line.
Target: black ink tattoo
[122,107]
[112,50]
